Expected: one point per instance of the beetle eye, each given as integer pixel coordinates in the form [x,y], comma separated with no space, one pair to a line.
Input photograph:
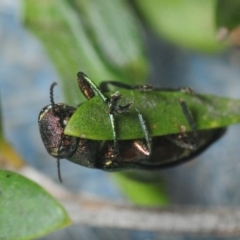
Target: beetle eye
[63,151]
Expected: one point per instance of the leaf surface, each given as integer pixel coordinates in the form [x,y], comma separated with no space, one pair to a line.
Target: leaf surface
[26,210]
[160,109]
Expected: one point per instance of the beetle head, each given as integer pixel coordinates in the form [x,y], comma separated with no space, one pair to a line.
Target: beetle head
[52,121]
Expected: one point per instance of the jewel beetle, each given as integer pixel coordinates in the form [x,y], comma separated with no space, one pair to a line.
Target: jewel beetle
[146,153]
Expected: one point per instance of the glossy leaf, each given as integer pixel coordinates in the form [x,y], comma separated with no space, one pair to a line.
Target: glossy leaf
[227,14]
[26,210]
[161,111]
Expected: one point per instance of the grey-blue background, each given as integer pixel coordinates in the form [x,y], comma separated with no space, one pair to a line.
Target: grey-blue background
[26,74]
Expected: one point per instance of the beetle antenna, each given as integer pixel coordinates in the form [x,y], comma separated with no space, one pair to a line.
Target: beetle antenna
[51,96]
[51,92]
[59,170]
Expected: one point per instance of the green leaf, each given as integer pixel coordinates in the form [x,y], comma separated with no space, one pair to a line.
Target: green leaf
[101,38]
[161,111]
[227,14]
[142,189]
[26,210]
[186,23]
[115,32]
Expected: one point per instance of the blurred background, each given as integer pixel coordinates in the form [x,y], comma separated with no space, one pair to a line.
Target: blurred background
[165,43]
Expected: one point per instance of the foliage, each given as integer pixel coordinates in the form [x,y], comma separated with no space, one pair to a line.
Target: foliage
[161,110]
[26,210]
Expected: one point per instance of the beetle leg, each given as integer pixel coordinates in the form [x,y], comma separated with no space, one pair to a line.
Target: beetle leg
[115,107]
[145,132]
[89,88]
[187,90]
[183,140]
[144,148]
[141,147]
[104,86]
[115,143]
[189,117]
[142,88]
